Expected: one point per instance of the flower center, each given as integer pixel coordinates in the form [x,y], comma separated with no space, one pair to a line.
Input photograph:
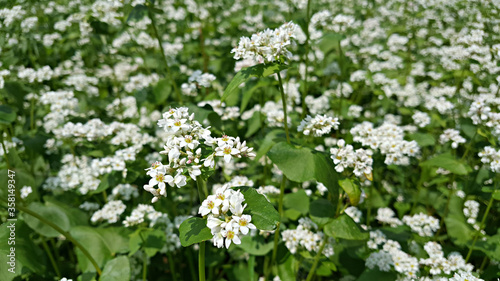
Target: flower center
[177,123]
[211,205]
[230,234]
[227,150]
[243,222]
[160,178]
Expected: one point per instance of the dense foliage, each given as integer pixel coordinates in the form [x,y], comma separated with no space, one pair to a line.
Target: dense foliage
[250,140]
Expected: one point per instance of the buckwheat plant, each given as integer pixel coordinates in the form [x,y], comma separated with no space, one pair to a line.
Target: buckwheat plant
[190,148]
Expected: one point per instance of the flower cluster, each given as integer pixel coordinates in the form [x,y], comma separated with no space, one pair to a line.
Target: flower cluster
[196,80]
[225,216]
[390,256]
[491,157]
[110,212]
[471,211]
[482,111]
[187,144]
[26,191]
[453,136]
[421,119]
[387,215]
[346,157]
[389,139]
[354,213]
[139,213]
[422,224]
[439,264]
[318,126]
[268,45]
[305,237]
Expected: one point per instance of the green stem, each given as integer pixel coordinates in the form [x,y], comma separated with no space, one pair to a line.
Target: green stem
[201,261]
[32,114]
[283,99]
[419,188]
[169,72]
[277,232]
[64,233]
[446,210]
[316,260]
[469,146]
[190,258]
[51,257]
[483,264]
[144,266]
[172,266]
[5,152]
[304,94]
[480,228]
[203,53]
[202,189]
[251,266]
[203,193]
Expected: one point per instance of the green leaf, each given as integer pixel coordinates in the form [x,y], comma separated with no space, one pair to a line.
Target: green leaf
[352,190]
[490,246]
[296,163]
[344,227]
[162,90]
[94,243]
[5,273]
[458,230]
[321,211]
[194,230]
[27,254]
[375,274]
[259,70]
[423,139]
[253,125]
[292,214]
[50,213]
[255,245]
[298,201]
[286,270]
[137,13]
[247,95]
[402,208]
[448,162]
[303,164]
[496,195]
[117,269]
[150,240]
[264,215]
[75,215]
[267,144]
[116,238]
[7,114]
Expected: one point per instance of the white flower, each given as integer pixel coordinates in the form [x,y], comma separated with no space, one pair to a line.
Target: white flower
[226,151]
[243,223]
[231,236]
[25,191]
[208,206]
[318,126]
[160,179]
[267,45]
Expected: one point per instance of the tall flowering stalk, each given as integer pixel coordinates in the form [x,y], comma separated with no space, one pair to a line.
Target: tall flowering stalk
[266,47]
[192,153]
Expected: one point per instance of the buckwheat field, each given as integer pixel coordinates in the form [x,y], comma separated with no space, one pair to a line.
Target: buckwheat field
[250,140]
